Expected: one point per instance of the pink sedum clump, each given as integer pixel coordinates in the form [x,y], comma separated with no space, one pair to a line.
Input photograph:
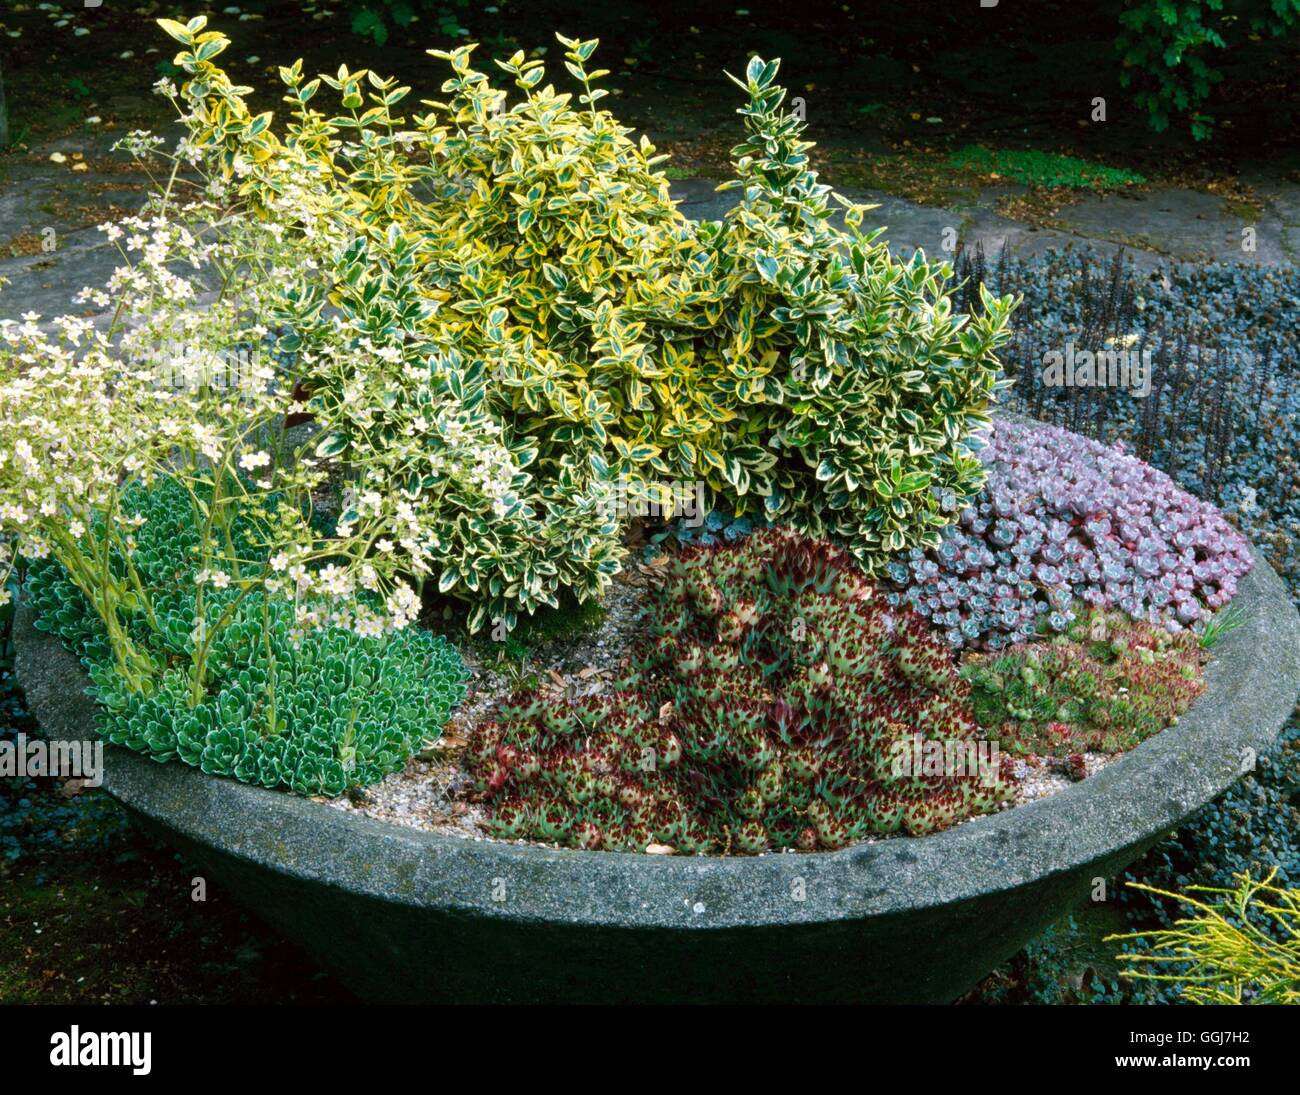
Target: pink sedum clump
[1065,518]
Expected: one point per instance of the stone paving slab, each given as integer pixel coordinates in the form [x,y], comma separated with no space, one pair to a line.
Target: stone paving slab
[1284,203]
[1162,225]
[1179,225]
[908,226]
[47,283]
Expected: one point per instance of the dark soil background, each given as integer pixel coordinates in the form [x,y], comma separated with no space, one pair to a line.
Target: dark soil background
[871,74]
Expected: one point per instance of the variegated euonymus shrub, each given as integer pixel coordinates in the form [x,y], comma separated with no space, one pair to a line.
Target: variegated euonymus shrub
[524,259]
[504,526]
[853,388]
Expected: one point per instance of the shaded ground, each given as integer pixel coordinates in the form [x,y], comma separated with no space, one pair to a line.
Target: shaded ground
[1064,965]
[92,911]
[891,93]
[878,76]
[79,929]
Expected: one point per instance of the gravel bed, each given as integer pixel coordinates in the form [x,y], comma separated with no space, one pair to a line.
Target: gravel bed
[429,793]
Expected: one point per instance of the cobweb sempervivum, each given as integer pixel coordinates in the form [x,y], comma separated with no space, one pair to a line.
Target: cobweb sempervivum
[1064,517]
[776,701]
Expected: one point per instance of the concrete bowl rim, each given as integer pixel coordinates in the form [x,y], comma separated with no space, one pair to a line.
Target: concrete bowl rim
[1146,792]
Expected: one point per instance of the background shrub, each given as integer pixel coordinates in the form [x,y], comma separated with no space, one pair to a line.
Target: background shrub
[1166,47]
[794,368]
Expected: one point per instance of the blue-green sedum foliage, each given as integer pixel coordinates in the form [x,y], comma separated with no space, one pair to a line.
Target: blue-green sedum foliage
[331,711]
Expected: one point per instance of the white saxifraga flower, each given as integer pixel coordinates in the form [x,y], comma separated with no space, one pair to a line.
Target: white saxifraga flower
[335,582]
[368,625]
[82,413]
[403,606]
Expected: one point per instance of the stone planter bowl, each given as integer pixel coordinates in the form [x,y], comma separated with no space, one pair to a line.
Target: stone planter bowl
[404,915]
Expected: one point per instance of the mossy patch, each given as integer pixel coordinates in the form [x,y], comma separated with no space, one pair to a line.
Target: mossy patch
[1032,167]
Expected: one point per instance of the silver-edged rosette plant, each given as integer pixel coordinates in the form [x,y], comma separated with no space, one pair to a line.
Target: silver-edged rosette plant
[183,386]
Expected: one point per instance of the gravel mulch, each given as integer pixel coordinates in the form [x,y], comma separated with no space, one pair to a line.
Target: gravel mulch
[430,792]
